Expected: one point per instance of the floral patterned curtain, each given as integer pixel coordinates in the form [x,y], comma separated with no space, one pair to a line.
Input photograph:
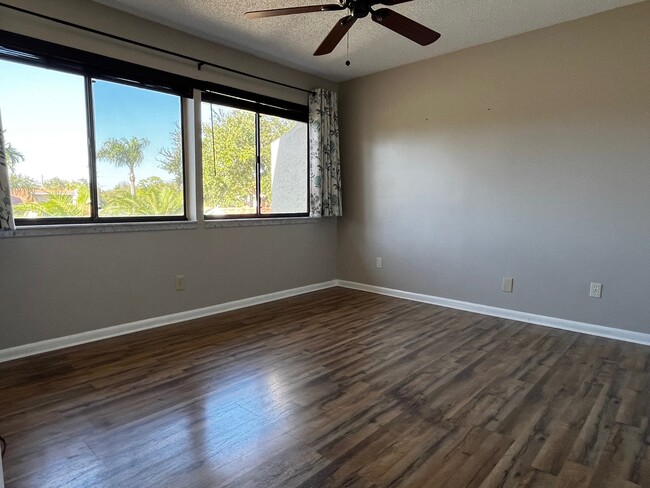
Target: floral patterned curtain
[324,158]
[6,214]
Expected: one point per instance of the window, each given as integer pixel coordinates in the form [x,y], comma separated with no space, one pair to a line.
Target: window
[283,165]
[46,134]
[229,161]
[83,149]
[138,150]
[254,163]
[92,139]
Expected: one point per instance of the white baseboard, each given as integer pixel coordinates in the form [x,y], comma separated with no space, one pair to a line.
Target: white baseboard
[582,327]
[118,330]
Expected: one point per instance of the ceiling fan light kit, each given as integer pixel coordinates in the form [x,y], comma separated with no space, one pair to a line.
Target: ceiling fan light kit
[358,9]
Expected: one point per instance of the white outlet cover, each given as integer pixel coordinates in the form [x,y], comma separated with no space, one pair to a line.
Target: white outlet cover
[595,290]
[180,282]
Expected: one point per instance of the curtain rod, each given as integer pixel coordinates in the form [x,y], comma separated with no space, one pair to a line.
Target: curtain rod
[200,62]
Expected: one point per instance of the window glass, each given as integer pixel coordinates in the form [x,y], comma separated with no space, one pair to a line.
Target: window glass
[283,160]
[138,151]
[229,161]
[45,131]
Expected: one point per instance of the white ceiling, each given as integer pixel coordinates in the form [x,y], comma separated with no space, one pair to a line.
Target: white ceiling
[291,40]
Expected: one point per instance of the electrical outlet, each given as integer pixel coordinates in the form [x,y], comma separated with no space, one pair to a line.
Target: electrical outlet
[180,282]
[378,263]
[507,284]
[595,290]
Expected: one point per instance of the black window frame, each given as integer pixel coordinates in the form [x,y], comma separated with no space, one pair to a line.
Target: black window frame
[261,105]
[45,55]
[92,148]
[28,50]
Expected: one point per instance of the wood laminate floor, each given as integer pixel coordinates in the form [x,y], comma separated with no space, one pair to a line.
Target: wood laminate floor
[335,388]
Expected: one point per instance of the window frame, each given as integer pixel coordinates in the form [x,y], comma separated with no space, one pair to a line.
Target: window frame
[92,148]
[45,55]
[39,53]
[261,105]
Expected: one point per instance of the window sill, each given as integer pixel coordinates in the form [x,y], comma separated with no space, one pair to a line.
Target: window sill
[77,229]
[74,229]
[252,222]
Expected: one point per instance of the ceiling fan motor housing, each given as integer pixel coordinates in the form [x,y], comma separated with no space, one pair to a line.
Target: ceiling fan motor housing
[359,8]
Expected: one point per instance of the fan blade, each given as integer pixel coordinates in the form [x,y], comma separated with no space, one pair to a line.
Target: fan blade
[393,2]
[256,14]
[336,34]
[405,26]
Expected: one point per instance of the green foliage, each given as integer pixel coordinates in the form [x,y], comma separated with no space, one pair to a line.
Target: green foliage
[12,155]
[171,159]
[229,156]
[72,199]
[153,197]
[23,182]
[69,200]
[229,159]
[58,185]
[124,152]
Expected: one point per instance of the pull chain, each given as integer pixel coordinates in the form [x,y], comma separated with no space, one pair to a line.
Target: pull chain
[347,63]
[214,152]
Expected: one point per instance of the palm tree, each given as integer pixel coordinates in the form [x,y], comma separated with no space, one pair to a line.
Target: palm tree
[124,153]
[155,197]
[60,203]
[12,155]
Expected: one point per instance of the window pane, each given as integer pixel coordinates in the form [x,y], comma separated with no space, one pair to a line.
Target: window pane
[139,151]
[283,165]
[229,183]
[44,119]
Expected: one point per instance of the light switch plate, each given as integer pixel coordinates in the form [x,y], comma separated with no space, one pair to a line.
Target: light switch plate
[507,285]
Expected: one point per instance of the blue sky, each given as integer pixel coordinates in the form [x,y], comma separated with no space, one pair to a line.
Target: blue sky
[44,116]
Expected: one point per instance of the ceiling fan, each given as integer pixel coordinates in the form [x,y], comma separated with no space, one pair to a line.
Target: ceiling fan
[358,9]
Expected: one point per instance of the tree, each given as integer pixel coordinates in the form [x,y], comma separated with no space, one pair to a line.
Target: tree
[228,143]
[23,186]
[154,197]
[171,159]
[124,152]
[229,157]
[12,155]
[69,200]
[58,185]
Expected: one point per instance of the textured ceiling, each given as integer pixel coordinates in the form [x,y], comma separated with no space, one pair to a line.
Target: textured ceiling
[291,40]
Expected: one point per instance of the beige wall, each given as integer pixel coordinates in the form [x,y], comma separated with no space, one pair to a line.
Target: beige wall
[527,158]
[60,285]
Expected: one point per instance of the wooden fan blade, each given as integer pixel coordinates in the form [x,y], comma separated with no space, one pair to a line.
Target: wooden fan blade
[393,2]
[257,14]
[405,26]
[336,34]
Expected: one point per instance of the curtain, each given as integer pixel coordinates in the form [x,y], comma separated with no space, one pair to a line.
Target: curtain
[324,158]
[6,215]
